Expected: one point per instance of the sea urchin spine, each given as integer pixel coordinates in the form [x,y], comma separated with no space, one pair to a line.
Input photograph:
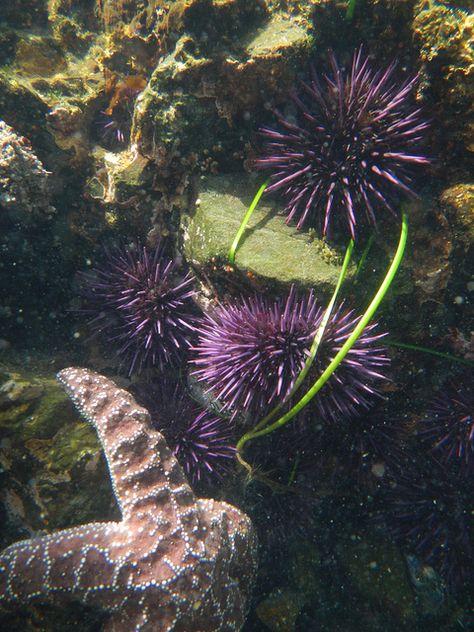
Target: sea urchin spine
[201,441]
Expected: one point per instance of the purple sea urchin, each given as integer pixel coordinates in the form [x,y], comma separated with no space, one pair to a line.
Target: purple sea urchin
[352,147]
[141,306]
[114,130]
[431,514]
[448,426]
[202,444]
[249,353]
[201,441]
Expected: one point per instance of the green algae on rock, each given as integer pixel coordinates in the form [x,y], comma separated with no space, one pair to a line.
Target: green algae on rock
[47,407]
[275,253]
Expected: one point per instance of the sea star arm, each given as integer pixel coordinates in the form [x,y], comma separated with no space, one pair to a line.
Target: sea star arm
[78,562]
[143,470]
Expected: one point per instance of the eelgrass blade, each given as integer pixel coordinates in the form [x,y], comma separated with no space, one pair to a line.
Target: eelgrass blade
[245,221]
[316,342]
[351,5]
[433,352]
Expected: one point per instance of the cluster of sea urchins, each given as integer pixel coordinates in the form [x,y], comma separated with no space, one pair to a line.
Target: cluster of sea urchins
[251,351]
[351,149]
[248,353]
[143,308]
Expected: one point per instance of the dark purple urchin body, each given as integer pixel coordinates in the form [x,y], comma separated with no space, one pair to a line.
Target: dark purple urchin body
[352,149]
[201,441]
[431,514]
[369,449]
[114,129]
[250,352]
[141,306]
[448,426]
[115,122]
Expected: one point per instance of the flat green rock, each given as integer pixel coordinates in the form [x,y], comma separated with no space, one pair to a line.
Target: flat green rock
[271,250]
[278,35]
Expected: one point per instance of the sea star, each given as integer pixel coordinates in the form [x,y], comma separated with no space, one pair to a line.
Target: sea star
[174,561]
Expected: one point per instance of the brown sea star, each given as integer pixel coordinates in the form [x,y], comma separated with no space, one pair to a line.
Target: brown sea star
[174,561]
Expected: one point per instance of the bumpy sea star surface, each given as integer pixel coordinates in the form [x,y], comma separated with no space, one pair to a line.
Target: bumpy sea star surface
[174,561]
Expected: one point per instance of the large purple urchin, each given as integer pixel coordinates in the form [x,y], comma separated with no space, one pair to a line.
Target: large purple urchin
[141,306]
[351,149]
[201,441]
[448,426]
[250,352]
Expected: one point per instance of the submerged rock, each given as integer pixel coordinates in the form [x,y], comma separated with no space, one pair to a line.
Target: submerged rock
[430,590]
[44,453]
[229,57]
[271,251]
[376,571]
[443,34]
[458,201]
[279,611]
[24,186]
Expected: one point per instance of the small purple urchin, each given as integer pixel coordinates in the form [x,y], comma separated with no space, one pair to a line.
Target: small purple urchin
[249,354]
[200,441]
[141,306]
[352,147]
[116,120]
[448,426]
[202,445]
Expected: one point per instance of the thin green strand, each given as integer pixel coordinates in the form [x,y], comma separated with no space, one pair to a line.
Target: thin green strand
[438,354]
[245,221]
[351,5]
[364,256]
[322,327]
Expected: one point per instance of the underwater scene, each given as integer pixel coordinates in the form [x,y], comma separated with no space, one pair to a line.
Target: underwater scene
[236,315]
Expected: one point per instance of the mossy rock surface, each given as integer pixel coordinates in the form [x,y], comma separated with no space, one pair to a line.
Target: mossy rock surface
[230,58]
[274,252]
[458,201]
[49,458]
